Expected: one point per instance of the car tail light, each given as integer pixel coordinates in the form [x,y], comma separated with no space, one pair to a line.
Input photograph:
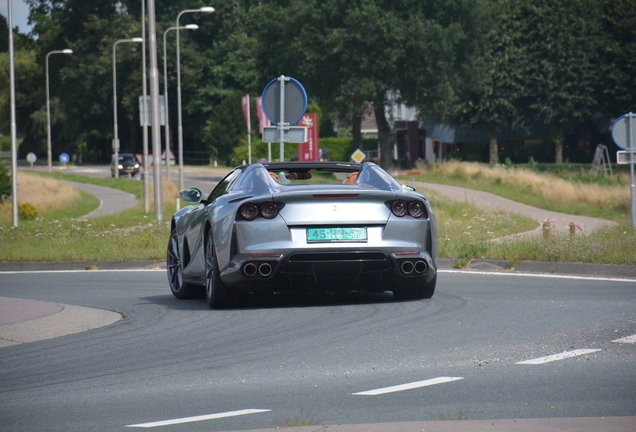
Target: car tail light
[398,208]
[249,211]
[416,209]
[269,210]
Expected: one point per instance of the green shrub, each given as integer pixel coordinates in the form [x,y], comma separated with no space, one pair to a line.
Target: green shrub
[6,185]
[340,149]
[26,210]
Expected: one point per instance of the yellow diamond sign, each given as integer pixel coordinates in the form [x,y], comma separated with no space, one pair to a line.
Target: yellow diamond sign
[358,156]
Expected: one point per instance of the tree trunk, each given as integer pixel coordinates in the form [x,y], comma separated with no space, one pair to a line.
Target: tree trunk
[356,131]
[384,135]
[558,150]
[494,157]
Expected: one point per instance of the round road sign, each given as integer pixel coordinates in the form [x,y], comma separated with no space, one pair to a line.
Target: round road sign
[621,130]
[295,101]
[64,158]
[31,157]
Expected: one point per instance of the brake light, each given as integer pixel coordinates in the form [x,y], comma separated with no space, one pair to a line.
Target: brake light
[414,209]
[398,208]
[251,211]
[335,195]
[269,210]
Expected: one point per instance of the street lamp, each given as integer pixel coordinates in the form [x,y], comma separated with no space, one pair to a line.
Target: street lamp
[165,93]
[115,132]
[206,9]
[48,108]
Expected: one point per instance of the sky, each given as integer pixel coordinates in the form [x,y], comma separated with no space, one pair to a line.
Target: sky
[20,14]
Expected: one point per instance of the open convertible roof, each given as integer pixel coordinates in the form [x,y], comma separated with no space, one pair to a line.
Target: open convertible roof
[308,166]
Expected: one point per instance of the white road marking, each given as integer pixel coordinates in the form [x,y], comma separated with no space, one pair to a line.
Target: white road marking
[555,357]
[538,275]
[408,386]
[629,339]
[198,418]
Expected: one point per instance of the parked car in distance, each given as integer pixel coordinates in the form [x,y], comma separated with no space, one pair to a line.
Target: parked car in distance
[303,227]
[128,165]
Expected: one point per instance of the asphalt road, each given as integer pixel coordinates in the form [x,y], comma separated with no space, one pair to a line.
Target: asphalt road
[294,359]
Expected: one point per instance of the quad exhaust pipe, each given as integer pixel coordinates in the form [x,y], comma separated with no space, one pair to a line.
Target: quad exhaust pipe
[407,267]
[251,269]
[265,269]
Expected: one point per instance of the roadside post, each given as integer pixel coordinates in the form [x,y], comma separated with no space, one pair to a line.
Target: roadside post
[284,103]
[623,136]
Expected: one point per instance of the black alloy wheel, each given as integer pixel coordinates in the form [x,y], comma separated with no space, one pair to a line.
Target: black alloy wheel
[217,293]
[179,288]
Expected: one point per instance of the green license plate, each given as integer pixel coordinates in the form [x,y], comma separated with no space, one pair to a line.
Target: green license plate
[322,235]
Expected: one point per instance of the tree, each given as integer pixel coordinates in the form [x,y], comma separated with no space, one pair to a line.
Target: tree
[618,57]
[490,98]
[563,62]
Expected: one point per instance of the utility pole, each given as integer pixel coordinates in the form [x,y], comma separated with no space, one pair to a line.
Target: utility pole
[154,97]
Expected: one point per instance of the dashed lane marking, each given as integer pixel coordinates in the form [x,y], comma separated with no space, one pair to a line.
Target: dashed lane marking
[564,355]
[629,339]
[198,418]
[408,386]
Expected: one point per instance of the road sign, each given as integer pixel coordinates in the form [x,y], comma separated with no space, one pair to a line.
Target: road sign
[291,134]
[295,100]
[148,111]
[624,157]
[358,156]
[623,132]
[31,158]
[64,158]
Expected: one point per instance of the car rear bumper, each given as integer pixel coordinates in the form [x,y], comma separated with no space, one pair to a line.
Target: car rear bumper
[335,270]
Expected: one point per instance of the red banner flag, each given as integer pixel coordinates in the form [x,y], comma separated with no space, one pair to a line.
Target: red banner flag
[308,151]
[245,102]
[262,118]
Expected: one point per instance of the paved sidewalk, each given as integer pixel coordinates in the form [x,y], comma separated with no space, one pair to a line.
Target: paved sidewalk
[111,201]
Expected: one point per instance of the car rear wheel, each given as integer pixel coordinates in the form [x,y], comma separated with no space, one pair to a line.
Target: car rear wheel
[415,291]
[218,294]
[179,288]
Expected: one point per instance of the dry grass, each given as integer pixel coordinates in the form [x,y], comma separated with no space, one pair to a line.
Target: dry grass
[46,194]
[546,185]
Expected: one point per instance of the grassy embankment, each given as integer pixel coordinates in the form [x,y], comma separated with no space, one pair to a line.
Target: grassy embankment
[572,191]
[59,233]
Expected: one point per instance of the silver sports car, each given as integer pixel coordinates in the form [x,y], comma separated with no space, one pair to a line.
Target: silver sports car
[303,226]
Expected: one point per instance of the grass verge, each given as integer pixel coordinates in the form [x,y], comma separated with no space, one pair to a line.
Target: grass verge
[466,232]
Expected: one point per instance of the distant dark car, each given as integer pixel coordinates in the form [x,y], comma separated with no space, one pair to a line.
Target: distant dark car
[303,226]
[128,165]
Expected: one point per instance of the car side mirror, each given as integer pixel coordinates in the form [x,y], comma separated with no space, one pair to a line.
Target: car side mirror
[191,195]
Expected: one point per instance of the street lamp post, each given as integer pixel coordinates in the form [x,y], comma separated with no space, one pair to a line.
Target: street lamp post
[14,126]
[206,9]
[165,92]
[49,153]
[115,132]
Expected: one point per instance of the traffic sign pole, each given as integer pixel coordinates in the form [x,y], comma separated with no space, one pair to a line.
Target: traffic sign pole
[631,167]
[623,136]
[281,123]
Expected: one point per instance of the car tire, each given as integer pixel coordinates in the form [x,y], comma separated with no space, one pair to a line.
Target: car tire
[217,293]
[415,291]
[180,289]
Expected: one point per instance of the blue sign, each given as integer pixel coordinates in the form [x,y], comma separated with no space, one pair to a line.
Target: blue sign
[294,103]
[622,131]
[64,158]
